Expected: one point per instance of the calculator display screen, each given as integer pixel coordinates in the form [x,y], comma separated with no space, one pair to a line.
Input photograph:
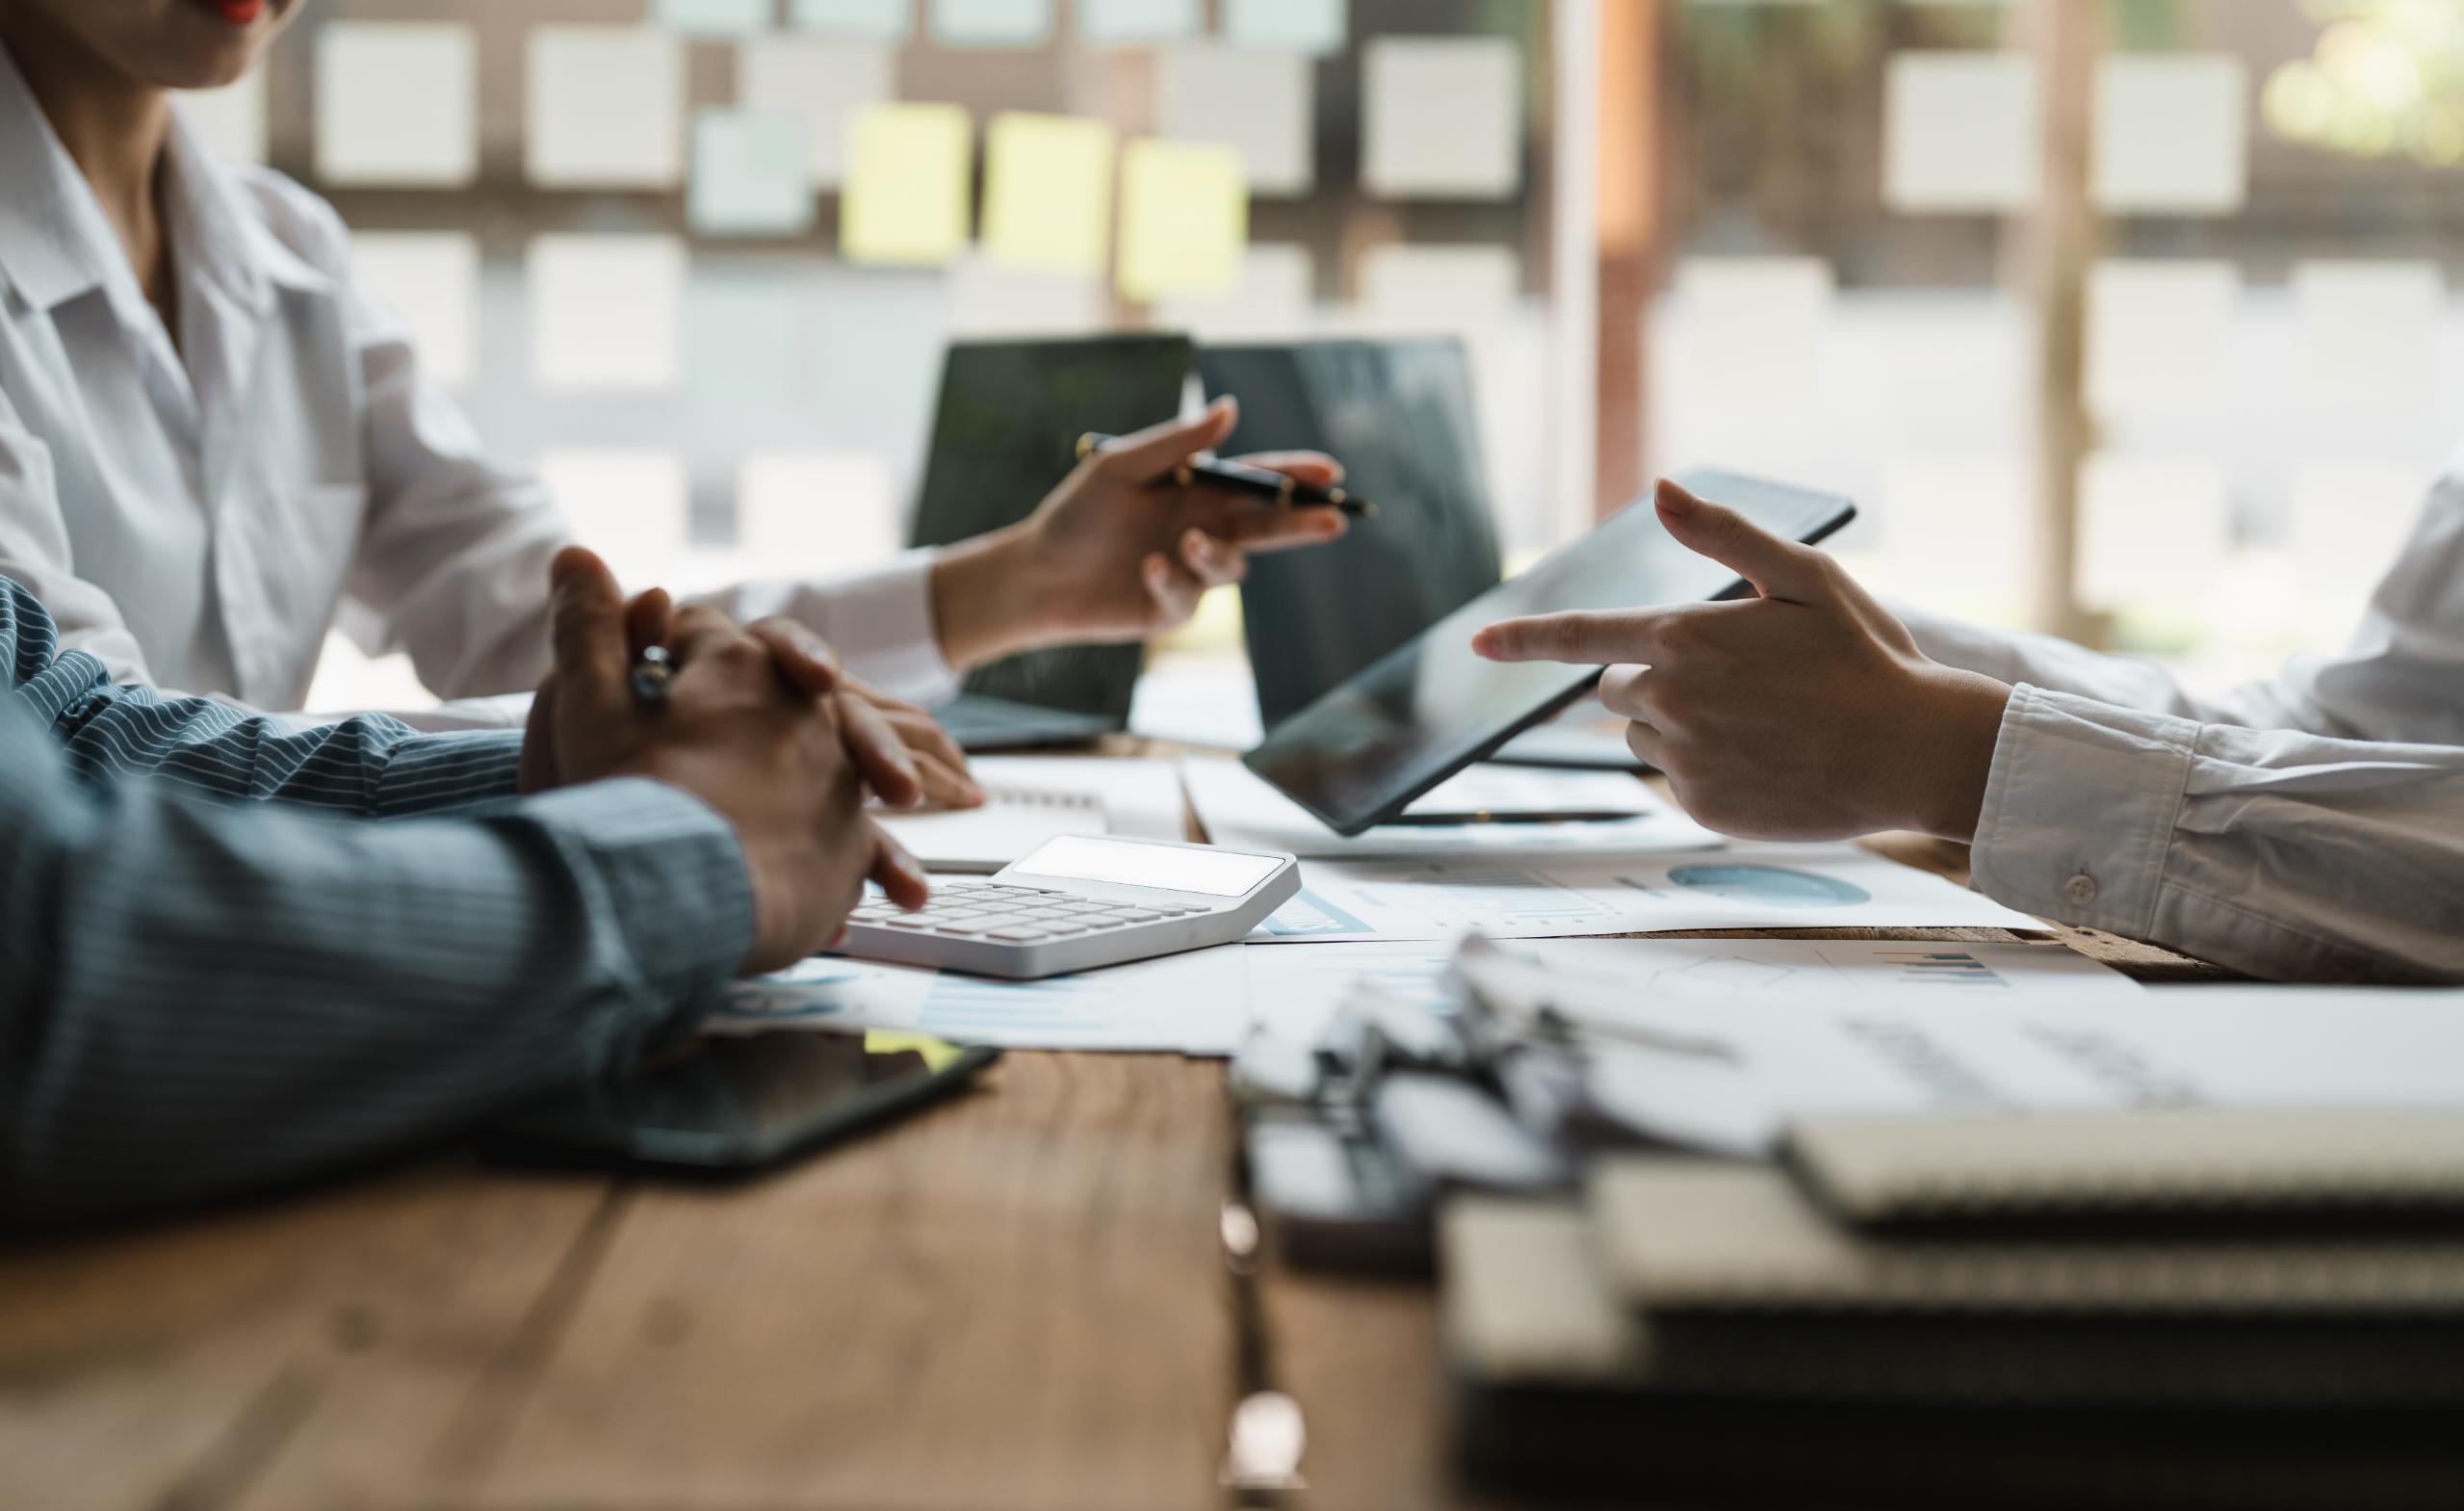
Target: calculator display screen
[1171,868]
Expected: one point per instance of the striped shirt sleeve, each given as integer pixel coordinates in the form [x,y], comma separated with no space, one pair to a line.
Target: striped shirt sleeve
[370,766]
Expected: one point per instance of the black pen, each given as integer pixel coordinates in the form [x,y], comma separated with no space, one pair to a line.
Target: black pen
[1241,478]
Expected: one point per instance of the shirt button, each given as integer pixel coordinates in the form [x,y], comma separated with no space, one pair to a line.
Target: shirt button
[2080,889]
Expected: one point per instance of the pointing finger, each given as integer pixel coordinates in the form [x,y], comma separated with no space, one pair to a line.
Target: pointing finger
[1775,568]
[1583,639]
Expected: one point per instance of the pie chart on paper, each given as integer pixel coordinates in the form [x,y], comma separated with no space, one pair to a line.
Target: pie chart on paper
[1770,886]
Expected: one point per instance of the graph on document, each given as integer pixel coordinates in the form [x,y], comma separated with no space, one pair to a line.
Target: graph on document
[1502,898]
[1948,970]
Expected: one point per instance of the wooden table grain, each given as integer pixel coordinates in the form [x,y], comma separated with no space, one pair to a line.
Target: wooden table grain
[1019,1298]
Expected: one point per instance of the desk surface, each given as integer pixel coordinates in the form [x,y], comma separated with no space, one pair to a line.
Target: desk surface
[1018,1299]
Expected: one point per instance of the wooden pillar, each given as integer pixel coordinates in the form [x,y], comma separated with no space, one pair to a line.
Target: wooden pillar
[1626,196]
[2064,38]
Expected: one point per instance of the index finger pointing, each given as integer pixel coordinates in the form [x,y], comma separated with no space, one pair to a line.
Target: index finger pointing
[1584,640]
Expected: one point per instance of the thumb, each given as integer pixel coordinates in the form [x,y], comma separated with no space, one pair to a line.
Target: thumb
[1147,455]
[587,619]
[1775,568]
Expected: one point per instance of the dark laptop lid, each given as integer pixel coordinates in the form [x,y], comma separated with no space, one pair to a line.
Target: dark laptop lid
[1005,431]
[1399,414]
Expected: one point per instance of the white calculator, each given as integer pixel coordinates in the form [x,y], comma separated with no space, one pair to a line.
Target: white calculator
[1077,902]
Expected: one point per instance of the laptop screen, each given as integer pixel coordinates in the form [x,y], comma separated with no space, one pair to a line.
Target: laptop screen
[1004,433]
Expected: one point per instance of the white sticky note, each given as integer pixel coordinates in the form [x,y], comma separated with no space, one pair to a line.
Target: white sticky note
[2344,526]
[2171,134]
[1957,529]
[1184,219]
[1316,27]
[906,199]
[2152,530]
[2366,333]
[398,103]
[430,280]
[1439,284]
[1753,329]
[1261,104]
[1960,133]
[1047,191]
[229,121]
[749,175]
[822,82]
[815,512]
[1114,22]
[605,108]
[2160,335]
[1441,117]
[631,504]
[712,17]
[992,299]
[875,20]
[1271,301]
[991,23]
[605,311]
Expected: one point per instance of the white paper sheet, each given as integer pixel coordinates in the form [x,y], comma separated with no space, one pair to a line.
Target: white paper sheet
[1239,808]
[2366,333]
[605,108]
[1732,1073]
[2171,134]
[1960,133]
[1194,1004]
[1110,22]
[712,17]
[1034,799]
[606,312]
[2160,335]
[1316,27]
[1812,886]
[1441,116]
[877,20]
[821,82]
[991,23]
[750,174]
[1259,103]
[432,280]
[398,103]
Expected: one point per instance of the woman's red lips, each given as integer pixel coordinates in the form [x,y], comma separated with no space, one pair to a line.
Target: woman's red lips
[239,13]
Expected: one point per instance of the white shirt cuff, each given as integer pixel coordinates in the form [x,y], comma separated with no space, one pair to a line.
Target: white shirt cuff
[2080,810]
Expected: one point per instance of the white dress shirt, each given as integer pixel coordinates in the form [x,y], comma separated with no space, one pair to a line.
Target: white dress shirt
[194,513]
[2309,827]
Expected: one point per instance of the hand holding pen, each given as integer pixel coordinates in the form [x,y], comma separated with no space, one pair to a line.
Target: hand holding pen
[1237,477]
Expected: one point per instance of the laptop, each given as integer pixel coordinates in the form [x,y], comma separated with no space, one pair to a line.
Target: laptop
[1400,414]
[1005,431]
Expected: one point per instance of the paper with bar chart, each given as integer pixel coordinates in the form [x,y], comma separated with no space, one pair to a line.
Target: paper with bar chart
[1804,886]
[1796,970]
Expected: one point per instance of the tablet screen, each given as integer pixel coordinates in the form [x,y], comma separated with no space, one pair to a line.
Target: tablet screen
[1358,755]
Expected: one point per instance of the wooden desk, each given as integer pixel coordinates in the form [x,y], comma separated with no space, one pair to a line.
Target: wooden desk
[1015,1300]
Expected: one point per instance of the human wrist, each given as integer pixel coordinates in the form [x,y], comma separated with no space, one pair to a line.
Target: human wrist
[992,597]
[1960,735]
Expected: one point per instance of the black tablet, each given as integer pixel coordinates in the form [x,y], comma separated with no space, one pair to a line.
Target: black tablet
[726,1105]
[1360,755]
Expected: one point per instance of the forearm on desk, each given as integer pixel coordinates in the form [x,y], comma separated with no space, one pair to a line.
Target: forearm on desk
[2286,856]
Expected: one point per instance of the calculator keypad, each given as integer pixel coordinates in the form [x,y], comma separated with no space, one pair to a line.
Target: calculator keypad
[1014,915]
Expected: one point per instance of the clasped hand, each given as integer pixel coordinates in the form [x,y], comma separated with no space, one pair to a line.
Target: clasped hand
[759,723]
[1804,712]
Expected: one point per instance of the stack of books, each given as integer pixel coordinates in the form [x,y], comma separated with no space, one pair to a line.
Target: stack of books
[2160,1309]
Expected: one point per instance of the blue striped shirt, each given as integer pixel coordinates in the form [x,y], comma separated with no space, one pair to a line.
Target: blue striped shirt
[216,974]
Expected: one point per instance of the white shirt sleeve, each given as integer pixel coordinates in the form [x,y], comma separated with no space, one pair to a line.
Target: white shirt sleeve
[2278,853]
[455,561]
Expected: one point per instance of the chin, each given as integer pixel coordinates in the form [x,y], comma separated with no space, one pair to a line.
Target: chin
[198,50]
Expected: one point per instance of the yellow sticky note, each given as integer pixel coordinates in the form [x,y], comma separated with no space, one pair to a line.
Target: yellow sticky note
[905,199]
[1048,186]
[1185,218]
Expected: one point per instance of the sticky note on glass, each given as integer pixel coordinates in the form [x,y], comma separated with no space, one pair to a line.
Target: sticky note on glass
[631,504]
[229,121]
[1114,22]
[1272,299]
[2160,336]
[1441,117]
[749,175]
[814,511]
[2171,134]
[605,108]
[874,20]
[397,103]
[991,23]
[907,185]
[820,82]
[2367,335]
[712,17]
[1753,329]
[606,312]
[1184,219]
[1961,132]
[1048,192]
[1261,104]
[1439,285]
[1315,27]
[2147,526]
[431,281]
